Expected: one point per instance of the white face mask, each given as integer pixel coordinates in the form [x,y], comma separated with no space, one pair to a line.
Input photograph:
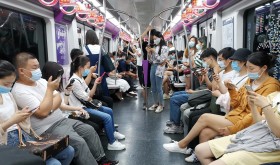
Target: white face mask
[157,41]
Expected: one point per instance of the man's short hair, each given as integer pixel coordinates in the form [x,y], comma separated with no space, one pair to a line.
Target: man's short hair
[226,52]
[20,60]
[209,52]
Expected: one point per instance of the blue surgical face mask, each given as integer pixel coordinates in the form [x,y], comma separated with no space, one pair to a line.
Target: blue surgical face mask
[253,76]
[205,65]
[4,89]
[86,72]
[222,64]
[235,66]
[198,47]
[36,75]
[191,44]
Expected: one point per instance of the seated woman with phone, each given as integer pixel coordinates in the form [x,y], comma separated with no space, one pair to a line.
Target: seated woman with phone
[74,112]
[12,119]
[256,144]
[240,117]
[82,94]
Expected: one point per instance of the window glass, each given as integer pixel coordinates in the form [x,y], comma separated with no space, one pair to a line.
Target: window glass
[21,33]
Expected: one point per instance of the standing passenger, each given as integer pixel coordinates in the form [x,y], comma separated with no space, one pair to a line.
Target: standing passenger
[159,56]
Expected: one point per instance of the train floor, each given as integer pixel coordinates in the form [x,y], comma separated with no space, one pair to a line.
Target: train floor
[144,135]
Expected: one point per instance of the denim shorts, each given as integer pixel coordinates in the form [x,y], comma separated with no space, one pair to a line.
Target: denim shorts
[13,137]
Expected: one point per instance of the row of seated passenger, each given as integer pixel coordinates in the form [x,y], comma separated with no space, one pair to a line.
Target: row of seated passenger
[235,118]
[48,108]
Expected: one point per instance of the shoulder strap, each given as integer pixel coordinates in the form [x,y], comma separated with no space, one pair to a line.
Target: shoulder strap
[241,80]
[75,94]
[89,52]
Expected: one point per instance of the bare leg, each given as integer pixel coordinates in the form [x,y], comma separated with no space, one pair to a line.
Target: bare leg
[204,153]
[188,82]
[205,121]
[166,87]
[217,162]
[207,134]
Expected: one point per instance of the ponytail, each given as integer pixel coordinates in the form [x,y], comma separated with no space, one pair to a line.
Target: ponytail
[80,61]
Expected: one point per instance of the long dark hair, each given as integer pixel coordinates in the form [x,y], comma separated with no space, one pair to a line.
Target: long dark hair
[91,38]
[162,41]
[80,61]
[261,59]
[6,69]
[51,69]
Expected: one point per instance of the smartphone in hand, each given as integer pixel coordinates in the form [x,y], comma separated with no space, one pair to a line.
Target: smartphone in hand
[71,83]
[249,88]
[32,110]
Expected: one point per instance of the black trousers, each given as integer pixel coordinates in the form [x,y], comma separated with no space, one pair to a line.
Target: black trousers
[140,75]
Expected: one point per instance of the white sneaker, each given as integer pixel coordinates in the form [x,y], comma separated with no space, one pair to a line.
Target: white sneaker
[119,136]
[174,147]
[192,158]
[171,92]
[166,97]
[116,146]
[153,107]
[159,109]
[189,151]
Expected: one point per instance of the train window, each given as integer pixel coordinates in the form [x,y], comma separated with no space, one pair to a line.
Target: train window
[261,32]
[21,32]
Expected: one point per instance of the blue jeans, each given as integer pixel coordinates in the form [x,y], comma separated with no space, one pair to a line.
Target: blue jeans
[176,100]
[156,84]
[107,116]
[62,158]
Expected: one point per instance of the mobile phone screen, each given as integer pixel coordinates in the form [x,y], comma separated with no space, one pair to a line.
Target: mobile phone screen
[248,88]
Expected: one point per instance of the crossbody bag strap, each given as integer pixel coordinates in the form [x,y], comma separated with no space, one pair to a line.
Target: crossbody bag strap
[87,48]
[241,80]
[74,92]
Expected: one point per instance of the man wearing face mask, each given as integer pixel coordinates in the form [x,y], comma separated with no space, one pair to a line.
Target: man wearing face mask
[33,91]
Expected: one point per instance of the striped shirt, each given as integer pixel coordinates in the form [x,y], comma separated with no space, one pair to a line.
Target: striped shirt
[197,61]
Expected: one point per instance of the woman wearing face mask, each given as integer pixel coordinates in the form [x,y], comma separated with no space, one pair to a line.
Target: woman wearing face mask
[158,56]
[240,117]
[187,54]
[11,117]
[79,69]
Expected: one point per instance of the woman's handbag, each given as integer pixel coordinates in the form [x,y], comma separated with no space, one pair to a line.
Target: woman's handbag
[48,146]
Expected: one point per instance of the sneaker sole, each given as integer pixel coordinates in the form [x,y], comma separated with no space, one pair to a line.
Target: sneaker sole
[116,149]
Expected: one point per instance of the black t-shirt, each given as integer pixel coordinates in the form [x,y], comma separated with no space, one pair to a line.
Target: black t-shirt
[125,50]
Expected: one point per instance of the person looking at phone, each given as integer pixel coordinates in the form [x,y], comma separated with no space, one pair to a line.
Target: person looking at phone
[11,118]
[257,144]
[227,87]
[33,91]
[72,112]
[82,92]
[238,118]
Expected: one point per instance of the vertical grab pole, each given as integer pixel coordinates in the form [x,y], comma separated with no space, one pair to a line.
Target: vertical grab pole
[176,54]
[101,37]
[187,45]
[117,49]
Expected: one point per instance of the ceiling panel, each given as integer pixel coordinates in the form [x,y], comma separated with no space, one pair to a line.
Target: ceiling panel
[143,10]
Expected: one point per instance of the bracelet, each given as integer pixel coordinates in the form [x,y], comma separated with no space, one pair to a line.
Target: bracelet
[67,94]
[265,107]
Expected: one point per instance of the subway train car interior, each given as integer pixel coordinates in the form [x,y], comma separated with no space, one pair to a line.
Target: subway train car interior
[139,82]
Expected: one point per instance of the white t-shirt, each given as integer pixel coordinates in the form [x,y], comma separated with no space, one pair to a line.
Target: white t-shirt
[94,49]
[139,59]
[32,96]
[239,81]
[227,76]
[7,109]
[81,91]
